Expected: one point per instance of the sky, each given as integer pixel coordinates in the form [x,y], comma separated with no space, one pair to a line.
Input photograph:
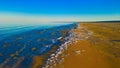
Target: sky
[59,10]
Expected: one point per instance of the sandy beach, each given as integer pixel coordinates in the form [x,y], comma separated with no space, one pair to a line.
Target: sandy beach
[91,47]
[81,45]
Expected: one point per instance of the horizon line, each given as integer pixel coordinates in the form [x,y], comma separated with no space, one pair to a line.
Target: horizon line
[29,18]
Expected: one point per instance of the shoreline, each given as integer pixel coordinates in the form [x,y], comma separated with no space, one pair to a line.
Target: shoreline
[57,56]
[81,53]
[50,58]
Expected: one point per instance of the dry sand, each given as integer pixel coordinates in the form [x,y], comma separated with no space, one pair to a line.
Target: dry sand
[82,54]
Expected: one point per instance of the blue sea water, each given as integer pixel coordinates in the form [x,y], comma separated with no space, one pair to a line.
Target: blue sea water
[23,42]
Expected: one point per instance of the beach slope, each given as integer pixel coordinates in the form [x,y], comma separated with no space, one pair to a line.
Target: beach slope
[95,45]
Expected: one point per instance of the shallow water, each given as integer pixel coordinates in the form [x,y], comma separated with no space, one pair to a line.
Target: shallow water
[20,43]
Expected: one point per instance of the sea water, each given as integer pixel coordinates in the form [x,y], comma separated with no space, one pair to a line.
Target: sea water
[20,43]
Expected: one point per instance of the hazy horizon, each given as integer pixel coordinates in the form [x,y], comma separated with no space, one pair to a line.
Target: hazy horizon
[29,18]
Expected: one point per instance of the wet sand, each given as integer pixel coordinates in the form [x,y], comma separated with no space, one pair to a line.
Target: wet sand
[91,47]
[87,57]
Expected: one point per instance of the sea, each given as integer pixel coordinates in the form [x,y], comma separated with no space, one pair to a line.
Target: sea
[20,43]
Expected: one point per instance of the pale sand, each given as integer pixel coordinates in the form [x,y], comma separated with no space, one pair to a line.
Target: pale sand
[82,54]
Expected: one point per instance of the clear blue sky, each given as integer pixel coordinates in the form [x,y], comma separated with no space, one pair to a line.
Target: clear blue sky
[61,6]
[71,10]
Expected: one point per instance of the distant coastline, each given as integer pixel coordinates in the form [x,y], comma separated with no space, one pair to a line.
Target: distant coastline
[112,21]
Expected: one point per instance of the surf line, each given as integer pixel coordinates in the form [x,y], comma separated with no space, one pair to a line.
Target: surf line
[58,56]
